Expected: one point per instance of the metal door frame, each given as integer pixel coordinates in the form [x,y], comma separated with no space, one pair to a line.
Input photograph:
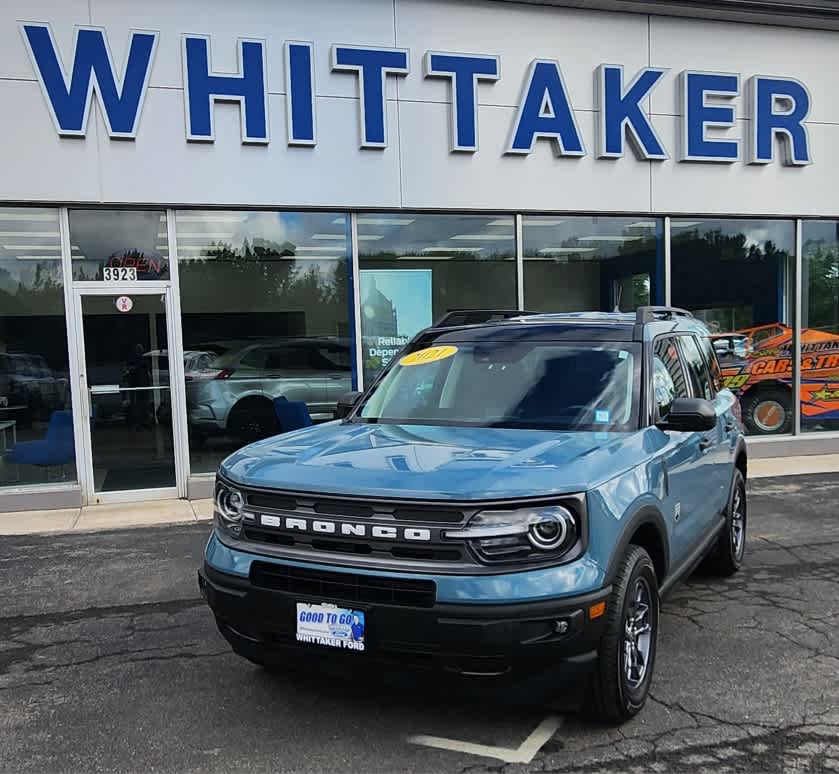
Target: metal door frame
[81,396]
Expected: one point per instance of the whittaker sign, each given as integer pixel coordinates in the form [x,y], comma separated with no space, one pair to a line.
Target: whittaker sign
[776,106]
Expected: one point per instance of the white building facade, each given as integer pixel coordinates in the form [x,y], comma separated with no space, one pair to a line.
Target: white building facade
[206,208]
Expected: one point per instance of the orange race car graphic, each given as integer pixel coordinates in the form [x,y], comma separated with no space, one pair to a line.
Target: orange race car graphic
[757,366]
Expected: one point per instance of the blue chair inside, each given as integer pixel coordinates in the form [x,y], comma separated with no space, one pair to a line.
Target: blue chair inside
[292,414]
[56,448]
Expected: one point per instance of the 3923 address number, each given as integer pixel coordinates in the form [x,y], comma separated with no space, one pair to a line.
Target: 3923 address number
[119,274]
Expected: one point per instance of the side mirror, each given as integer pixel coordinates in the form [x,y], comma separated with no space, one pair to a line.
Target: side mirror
[690,415]
[346,403]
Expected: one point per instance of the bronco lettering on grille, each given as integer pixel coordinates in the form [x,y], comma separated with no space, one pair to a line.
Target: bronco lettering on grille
[346,529]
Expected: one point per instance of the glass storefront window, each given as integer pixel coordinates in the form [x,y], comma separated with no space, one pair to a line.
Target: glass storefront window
[414,268]
[575,264]
[119,245]
[820,326]
[266,312]
[36,423]
[737,276]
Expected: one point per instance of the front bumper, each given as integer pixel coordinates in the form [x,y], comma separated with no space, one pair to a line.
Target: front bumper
[469,639]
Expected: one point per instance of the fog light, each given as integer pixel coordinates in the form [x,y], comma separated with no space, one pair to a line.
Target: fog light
[561,626]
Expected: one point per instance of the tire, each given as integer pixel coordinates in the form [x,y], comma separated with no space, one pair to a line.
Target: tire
[252,420]
[617,692]
[727,555]
[767,411]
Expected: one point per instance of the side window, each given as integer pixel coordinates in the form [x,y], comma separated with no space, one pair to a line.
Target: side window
[291,358]
[668,376]
[698,373]
[713,362]
[255,358]
[337,357]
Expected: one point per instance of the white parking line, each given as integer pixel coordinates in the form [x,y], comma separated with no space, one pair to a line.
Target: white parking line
[522,754]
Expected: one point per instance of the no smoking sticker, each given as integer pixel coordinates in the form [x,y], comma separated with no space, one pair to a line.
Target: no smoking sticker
[427,355]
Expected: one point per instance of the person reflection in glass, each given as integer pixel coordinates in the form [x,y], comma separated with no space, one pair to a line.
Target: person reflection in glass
[357,628]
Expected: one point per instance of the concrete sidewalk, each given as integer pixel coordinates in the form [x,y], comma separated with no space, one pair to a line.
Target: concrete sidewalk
[99,517]
[145,514]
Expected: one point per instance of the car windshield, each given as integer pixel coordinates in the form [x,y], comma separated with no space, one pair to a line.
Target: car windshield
[539,384]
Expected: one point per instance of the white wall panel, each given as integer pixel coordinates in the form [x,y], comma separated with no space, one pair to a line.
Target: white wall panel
[746,189]
[161,167]
[749,49]
[580,41]
[36,165]
[64,16]
[366,22]
[432,177]
[416,170]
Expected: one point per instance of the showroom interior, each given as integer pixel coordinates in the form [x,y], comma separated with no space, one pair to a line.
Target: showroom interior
[231,310]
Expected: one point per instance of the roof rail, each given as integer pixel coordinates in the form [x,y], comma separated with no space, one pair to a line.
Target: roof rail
[646,314]
[477,316]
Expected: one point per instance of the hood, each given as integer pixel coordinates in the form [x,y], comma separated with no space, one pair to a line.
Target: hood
[434,462]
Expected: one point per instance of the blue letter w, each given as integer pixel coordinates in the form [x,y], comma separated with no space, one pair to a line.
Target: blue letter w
[93,70]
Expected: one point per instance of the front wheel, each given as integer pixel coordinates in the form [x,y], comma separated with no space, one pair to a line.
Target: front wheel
[626,656]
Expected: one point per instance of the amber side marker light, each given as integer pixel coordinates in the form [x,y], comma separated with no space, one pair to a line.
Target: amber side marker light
[596,611]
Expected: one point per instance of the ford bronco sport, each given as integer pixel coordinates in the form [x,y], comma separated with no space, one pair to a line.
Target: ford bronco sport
[508,496]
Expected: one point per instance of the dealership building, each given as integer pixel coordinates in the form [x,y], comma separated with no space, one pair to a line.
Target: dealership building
[206,207]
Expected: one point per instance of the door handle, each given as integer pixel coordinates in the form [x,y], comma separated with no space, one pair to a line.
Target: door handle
[104,389]
[729,426]
[705,444]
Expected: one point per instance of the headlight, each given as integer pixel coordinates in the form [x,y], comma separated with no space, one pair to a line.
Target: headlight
[540,532]
[229,504]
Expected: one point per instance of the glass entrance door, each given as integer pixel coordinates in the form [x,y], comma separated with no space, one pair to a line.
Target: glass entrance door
[125,373]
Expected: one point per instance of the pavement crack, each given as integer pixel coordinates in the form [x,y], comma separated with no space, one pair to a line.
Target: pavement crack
[180,655]
[14,625]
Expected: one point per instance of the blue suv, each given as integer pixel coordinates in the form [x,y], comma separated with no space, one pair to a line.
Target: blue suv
[511,496]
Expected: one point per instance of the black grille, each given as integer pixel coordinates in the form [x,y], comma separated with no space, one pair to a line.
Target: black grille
[309,505]
[445,515]
[260,500]
[342,508]
[344,586]
[383,548]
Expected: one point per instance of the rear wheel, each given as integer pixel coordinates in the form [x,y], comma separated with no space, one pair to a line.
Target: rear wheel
[727,555]
[626,656]
[767,411]
[252,420]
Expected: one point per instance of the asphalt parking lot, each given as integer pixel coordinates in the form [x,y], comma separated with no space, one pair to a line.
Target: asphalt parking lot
[109,661]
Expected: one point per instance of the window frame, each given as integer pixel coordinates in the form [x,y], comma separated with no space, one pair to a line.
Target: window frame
[654,412]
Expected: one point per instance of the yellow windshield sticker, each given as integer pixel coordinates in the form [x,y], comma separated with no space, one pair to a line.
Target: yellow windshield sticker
[427,355]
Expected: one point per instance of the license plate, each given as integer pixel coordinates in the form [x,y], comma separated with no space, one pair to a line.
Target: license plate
[330,625]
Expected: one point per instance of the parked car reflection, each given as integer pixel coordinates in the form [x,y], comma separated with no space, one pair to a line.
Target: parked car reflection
[27,380]
[234,395]
[732,348]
